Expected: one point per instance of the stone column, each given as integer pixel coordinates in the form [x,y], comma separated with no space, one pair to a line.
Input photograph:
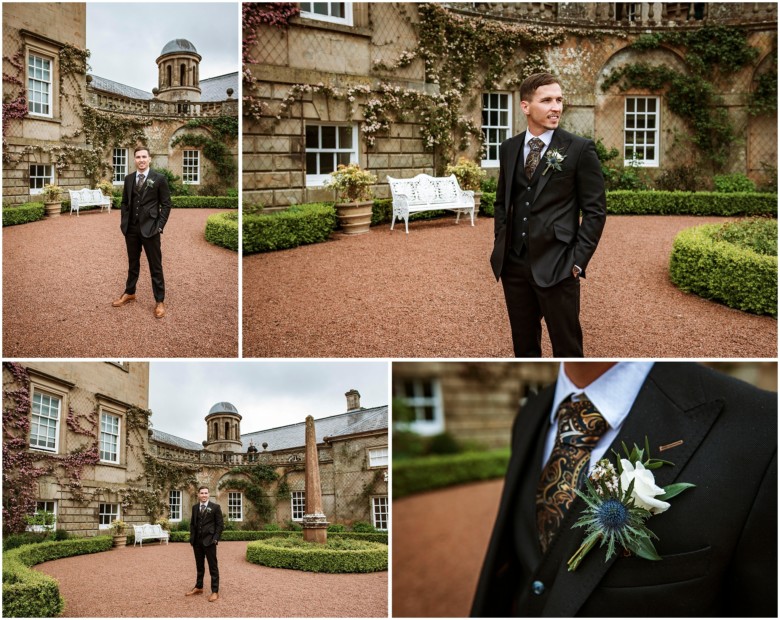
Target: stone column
[314,523]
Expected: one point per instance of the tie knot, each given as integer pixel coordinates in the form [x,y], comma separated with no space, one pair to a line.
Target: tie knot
[536,145]
[580,423]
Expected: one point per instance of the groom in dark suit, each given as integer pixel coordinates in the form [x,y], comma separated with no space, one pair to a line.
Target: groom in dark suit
[206,527]
[546,179]
[717,541]
[146,204]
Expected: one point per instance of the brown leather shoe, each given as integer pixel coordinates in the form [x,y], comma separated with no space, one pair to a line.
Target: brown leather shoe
[159,310]
[194,591]
[214,596]
[125,298]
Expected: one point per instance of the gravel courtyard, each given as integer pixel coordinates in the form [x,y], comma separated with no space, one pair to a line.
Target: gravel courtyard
[60,276]
[431,293]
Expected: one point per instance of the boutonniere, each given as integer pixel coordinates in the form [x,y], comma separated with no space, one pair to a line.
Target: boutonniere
[208,508]
[619,501]
[150,183]
[554,159]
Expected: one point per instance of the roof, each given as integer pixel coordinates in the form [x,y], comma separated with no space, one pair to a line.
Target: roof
[178,45]
[172,440]
[223,408]
[294,435]
[211,89]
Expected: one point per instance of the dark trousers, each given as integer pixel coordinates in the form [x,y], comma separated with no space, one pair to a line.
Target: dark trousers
[210,554]
[152,248]
[527,303]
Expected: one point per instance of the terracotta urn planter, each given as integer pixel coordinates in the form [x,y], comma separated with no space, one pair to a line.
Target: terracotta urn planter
[477,200]
[120,540]
[53,209]
[355,217]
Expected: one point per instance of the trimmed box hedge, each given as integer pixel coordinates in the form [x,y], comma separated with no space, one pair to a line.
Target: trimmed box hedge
[336,556]
[31,594]
[625,202]
[30,212]
[204,202]
[238,535]
[437,471]
[298,225]
[222,230]
[714,269]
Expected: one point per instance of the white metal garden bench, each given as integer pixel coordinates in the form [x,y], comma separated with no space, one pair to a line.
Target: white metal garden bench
[88,198]
[427,193]
[148,531]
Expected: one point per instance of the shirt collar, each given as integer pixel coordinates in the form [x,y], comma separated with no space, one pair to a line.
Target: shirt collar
[546,137]
[613,393]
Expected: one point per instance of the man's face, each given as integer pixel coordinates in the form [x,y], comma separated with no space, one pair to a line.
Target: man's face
[142,159]
[203,495]
[544,110]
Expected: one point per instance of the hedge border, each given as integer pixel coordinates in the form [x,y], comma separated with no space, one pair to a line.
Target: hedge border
[299,225]
[23,214]
[28,593]
[222,230]
[249,535]
[723,271]
[204,202]
[315,558]
[433,472]
[626,202]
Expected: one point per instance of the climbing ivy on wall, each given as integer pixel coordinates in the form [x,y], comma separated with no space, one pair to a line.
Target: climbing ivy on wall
[255,488]
[215,147]
[711,53]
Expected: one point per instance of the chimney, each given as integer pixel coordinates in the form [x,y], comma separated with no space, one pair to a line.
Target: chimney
[353,400]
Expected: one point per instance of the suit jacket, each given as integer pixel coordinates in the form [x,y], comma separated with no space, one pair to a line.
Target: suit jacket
[718,541]
[155,203]
[557,240]
[211,527]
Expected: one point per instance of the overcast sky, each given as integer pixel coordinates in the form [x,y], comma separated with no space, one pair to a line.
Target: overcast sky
[125,45]
[266,394]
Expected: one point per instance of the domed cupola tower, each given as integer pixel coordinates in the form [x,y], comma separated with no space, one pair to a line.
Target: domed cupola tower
[178,78]
[223,429]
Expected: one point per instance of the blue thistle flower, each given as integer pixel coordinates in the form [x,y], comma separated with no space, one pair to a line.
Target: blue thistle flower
[612,515]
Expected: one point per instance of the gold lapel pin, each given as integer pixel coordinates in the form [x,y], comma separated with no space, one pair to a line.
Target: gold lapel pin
[669,446]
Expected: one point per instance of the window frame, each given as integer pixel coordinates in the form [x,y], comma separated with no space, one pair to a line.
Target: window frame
[118,514]
[186,169]
[421,426]
[321,180]
[40,55]
[58,422]
[232,496]
[297,503]
[42,528]
[117,169]
[487,162]
[178,504]
[656,145]
[372,464]
[36,191]
[376,510]
[118,446]
[347,20]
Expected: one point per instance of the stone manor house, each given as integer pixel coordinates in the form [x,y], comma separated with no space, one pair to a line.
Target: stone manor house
[403,88]
[64,126]
[78,441]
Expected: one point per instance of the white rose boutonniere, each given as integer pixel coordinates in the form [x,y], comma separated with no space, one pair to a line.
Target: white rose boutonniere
[150,183]
[619,502]
[554,159]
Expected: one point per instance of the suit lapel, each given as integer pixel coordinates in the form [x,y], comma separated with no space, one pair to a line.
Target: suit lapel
[670,407]
[146,183]
[515,151]
[560,141]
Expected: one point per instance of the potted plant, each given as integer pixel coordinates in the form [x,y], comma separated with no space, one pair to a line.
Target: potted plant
[51,200]
[469,176]
[354,205]
[118,532]
[107,188]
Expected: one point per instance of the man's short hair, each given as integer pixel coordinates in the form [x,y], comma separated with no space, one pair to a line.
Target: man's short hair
[532,82]
[202,487]
[142,148]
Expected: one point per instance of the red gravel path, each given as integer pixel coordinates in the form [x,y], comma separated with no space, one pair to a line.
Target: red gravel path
[432,294]
[439,542]
[60,276]
[151,582]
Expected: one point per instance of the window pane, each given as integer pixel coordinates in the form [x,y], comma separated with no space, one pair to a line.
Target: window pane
[630,104]
[651,105]
[306,6]
[408,389]
[337,9]
[345,137]
[328,137]
[344,158]
[321,8]
[427,389]
[493,100]
[428,413]
[311,163]
[326,163]
[650,153]
[312,137]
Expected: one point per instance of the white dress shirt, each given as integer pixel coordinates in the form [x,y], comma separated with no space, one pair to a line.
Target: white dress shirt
[546,137]
[613,394]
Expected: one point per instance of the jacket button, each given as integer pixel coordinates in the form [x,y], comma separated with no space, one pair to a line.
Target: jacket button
[537,587]
[523,234]
[525,219]
[527,203]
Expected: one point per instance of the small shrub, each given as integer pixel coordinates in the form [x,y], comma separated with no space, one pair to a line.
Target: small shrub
[222,230]
[174,183]
[294,526]
[487,205]
[12,541]
[382,211]
[272,527]
[339,555]
[336,527]
[443,443]
[733,183]
[180,536]
[713,268]
[204,202]
[22,214]
[682,178]
[489,184]
[183,526]
[298,225]
[230,525]
[756,234]
[363,527]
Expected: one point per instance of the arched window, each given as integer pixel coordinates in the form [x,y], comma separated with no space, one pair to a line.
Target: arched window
[216,430]
[182,73]
[168,75]
[227,430]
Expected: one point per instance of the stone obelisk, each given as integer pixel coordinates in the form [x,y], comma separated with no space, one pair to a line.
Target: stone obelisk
[315,527]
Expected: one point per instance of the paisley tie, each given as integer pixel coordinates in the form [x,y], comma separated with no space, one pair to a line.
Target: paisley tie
[580,426]
[532,161]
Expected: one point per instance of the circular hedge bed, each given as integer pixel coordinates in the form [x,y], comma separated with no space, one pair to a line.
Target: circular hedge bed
[735,263]
[222,230]
[338,555]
